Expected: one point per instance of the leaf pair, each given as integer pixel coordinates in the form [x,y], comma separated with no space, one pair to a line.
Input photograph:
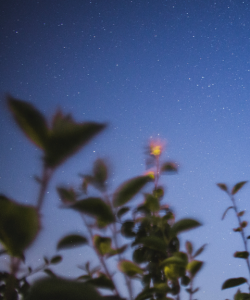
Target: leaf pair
[58,142]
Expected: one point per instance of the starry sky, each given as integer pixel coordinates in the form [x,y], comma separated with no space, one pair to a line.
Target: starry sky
[168,69]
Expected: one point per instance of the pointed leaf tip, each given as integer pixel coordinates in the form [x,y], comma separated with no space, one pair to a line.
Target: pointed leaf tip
[223,186]
[238,186]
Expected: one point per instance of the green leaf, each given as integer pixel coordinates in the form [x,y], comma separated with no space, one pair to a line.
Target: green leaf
[241,213]
[30,120]
[71,241]
[153,242]
[102,244]
[184,224]
[19,225]
[62,289]
[129,189]
[100,171]
[232,282]
[241,296]
[158,192]
[66,137]
[200,250]
[225,212]
[237,187]
[241,254]
[67,196]
[178,258]
[49,272]
[56,259]
[122,211]
[127,229]
[152,203]
[120,250]
[189,247]
[129,268]
[194,266]
[95,207]
[169,167]
[102,282]
[237,229]
[185,280]
[223,187]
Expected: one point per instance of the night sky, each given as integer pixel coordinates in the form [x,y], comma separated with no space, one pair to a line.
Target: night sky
[173,70]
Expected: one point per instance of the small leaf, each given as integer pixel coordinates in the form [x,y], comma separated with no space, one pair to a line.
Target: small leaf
[127,229]
[49,272]
[200,250]
[158,192]
[122,211]
[71,241]
[237,229]
[185,280]
[120,250]
[223,186]
[237,187]
[61,289]
[68,196]
[100,171]
[184,224]
[232,282]
[153,242]
[102,244]
[241,213]
[30,120]
[129,189]
[129,268]
[95,207]
[241,254]
[189,247]
[169,167]
[56,259]
[248,237]
[19,225]
[152,203]
[226,212]
[243,224]
[194,266]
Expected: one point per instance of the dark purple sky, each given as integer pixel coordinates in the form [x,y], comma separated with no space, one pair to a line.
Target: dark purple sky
[175,70]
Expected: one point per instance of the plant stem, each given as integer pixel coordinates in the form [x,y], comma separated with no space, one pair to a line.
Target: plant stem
[46,176]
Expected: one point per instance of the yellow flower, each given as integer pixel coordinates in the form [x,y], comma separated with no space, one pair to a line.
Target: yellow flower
[156,147]
[150,173]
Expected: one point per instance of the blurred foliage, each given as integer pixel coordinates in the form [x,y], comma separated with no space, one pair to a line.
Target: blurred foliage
[113,223]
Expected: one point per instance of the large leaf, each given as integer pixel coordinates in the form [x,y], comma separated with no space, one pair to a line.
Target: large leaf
[102,244]
[241,296]
[71,241]
[19,225]
[129,268]
[153,242]
[183,225]
[95,207]
[232,282]
[102,282]
[194,266]
[67,137]
[30,120]
[238,186]
[61,289]
[129,189]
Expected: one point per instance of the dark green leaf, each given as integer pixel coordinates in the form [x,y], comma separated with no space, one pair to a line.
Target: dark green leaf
[56,259]
[223,187]
[19,225]
[241,213]
[100,171]
[71,241]
[129,189]
[241,296]
[49,272]
[241,254]
[185,280]
[237,187]
[232,282]
[102,282]
[194,266]
[120,250]
[248,237]
[152,203]
[122,211]
[67,137]
[95,207]
[158,192]
[154,242]
[184,224]
[200,250]
[226,212]
[169,167]
[189,247]
[30,120]
[237,229]
[243,224]
[127,229]
[62,289]
[67,196]
[129,268]
[102,244]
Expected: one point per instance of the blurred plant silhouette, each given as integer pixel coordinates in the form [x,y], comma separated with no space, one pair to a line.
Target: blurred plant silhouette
[142,238]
